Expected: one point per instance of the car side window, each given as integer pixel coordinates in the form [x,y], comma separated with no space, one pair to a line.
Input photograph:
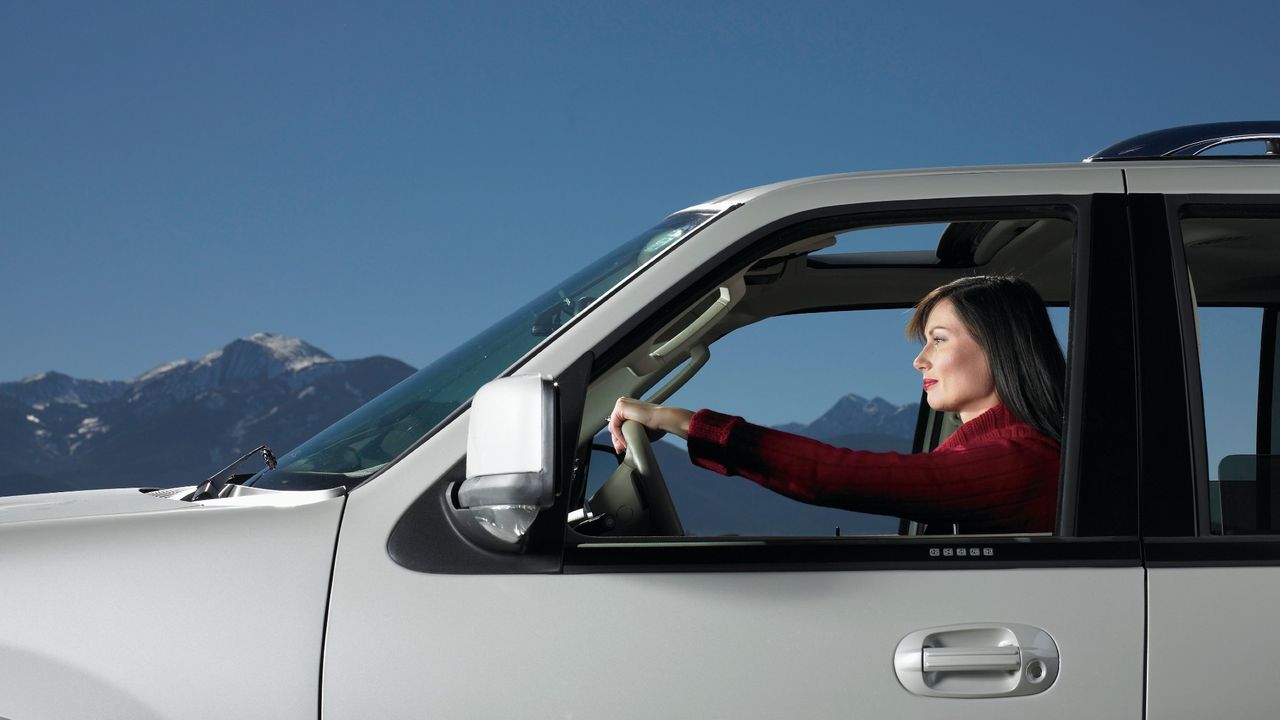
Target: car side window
[815,346]
[1232,262]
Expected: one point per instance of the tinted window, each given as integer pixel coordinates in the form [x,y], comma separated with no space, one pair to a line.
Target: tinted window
[1234,264]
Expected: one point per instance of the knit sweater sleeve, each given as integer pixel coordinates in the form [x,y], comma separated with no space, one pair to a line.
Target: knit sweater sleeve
[1001,482]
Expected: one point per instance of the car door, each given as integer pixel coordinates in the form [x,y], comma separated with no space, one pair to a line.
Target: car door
[1210,293]
[421,623]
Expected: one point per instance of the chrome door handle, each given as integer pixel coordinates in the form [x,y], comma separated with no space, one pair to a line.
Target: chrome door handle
[974,661]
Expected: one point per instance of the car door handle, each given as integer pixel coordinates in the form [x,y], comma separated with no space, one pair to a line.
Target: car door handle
[977,660]
[971,659]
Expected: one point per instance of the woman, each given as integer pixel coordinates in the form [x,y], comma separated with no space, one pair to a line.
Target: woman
[989,355]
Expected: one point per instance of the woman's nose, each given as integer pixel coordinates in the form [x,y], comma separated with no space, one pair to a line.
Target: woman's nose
[921,363]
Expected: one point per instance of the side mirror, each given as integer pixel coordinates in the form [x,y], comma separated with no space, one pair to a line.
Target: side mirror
[510,462]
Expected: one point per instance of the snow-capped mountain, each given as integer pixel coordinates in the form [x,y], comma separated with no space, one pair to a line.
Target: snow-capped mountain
[257,358]
[181,421]
[54,387]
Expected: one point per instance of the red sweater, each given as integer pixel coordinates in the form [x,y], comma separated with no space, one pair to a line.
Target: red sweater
[995,474]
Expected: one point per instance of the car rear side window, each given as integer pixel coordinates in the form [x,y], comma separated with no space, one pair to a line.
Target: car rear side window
[1234,267]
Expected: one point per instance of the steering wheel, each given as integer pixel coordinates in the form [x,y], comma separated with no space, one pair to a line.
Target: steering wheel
[635,497]
[652,486]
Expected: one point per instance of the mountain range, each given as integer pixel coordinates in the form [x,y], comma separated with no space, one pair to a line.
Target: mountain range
[182,421]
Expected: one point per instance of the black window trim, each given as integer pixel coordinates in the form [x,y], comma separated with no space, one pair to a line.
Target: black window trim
[1101,464]
[788,554]
[1266,380]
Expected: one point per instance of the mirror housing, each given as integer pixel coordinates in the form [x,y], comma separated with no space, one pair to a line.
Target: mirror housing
[510,462]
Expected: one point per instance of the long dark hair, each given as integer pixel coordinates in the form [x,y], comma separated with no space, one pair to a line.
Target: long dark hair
[1007,318]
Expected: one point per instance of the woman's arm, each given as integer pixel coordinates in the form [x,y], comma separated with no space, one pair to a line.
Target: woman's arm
[999,484]
[659,418]
[1002,484]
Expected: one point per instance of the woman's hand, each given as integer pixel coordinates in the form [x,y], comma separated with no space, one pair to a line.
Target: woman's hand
[658,419]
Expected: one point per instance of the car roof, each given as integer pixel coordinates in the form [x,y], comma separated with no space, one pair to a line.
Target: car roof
[748,194]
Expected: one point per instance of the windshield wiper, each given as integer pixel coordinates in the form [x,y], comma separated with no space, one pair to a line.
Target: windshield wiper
[210,488]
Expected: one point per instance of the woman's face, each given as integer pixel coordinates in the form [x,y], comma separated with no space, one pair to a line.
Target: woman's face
[957,376]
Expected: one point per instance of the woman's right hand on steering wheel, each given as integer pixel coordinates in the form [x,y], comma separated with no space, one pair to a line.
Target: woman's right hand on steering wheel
[658,419]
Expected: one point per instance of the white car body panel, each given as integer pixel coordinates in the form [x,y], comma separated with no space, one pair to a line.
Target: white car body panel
[1241,177]
[136,607]
[1210,633]
[699,645]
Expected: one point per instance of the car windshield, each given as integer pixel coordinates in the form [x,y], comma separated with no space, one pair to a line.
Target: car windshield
[358,445]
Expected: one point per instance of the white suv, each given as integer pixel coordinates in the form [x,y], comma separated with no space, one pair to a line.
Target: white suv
[466,547]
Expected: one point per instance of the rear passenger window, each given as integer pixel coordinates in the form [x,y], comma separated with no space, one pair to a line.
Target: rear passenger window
[1234,266]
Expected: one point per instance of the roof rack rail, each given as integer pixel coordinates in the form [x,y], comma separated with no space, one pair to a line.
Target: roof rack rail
[1191,140]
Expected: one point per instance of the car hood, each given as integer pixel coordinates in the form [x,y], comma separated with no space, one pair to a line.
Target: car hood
[51,507]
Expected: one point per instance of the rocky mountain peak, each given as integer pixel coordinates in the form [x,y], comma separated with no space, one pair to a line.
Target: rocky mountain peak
[258,357]
[262,355]
[856,414]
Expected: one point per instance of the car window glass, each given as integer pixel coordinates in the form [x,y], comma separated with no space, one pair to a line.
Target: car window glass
[1229,345]
[859,392]
[842,376]
[1233,269]
[888,238]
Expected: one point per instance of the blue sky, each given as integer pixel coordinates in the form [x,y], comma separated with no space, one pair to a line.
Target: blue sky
[390,178]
